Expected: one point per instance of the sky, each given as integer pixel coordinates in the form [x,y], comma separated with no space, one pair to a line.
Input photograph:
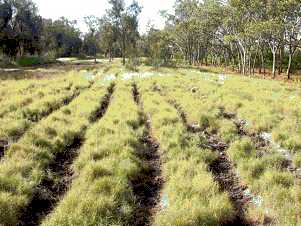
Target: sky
[78,9]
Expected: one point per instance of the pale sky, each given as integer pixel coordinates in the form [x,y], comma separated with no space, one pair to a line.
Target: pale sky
[78,9]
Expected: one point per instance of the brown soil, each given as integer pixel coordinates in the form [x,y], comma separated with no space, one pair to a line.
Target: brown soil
[222,169]
[59,174]
[258,141]
[148,183]
[3,147]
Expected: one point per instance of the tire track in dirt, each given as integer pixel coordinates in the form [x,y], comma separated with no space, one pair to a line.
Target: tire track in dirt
[53,187]
[222,168]
[5,144]
[147,185]
[258,140]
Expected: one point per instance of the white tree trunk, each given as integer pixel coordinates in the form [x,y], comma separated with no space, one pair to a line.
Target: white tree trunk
[274,64]
[288,73]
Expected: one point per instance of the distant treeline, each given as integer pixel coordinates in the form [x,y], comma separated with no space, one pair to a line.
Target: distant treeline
[25,32]
[245,34]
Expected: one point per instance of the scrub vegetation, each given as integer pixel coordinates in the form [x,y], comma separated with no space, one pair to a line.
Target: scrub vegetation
[172,127]
[154,147]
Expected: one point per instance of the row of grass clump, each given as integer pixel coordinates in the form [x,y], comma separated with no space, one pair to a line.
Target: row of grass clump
[15,97]
[266,106]
[102,193]
[189,196]
[276,191]
[24,86]
[25,165]
[10,88]
[21,96]
[15,123]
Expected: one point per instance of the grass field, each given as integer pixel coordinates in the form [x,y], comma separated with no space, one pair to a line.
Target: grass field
[165,147]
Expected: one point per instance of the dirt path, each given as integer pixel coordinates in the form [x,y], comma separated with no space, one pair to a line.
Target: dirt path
[59,174]
[147,185]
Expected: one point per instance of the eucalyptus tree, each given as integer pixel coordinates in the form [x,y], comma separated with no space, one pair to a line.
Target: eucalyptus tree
[185,24]
[125,22]
[107,37]
[91,44]
[64,36]
[21,27]
[292,26]
[158,47]
[240,32]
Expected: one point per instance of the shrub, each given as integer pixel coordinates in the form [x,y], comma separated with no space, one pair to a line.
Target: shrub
[30,61]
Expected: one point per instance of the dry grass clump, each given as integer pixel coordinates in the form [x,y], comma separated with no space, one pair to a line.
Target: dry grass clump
[25,165]
[101,194]
[190,196]
[15,123]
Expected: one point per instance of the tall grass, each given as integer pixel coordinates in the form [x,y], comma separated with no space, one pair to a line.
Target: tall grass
[26,162]
[16,122]
[276,191]
[190,196]
[101,194]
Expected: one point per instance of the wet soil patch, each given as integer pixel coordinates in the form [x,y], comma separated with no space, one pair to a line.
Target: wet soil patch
[148,183]
[59,174]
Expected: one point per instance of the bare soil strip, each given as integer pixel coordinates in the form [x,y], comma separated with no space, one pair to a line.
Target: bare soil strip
[60,174]
[5,144]
[222,168]
[257,139]
[147,185]
[3,147]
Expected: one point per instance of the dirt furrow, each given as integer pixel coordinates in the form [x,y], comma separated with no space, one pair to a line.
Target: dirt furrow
[222,168]
[59,174]
[148,183]
[259,141]
[5,144]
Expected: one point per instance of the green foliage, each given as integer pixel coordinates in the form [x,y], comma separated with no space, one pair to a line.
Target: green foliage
[30,61]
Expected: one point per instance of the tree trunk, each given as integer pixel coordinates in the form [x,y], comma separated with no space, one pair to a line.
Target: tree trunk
[288,73]
[243,59]
[274,64]
[110,55]
[262,62]
[123,50]
[281,52]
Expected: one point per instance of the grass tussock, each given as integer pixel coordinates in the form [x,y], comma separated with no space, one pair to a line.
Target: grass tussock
[25,164]
[101,194]
[190,196]
[51,98]
[110,160]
